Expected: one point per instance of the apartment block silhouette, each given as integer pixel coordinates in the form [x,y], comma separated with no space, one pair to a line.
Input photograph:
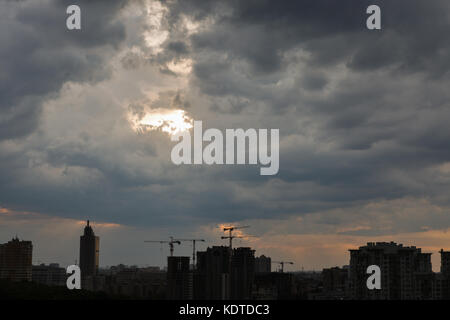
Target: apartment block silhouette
[16,260]
[406,272]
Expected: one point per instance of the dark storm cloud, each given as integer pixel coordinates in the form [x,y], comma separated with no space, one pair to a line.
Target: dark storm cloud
[363,115]
[38,55]
[374,104]
[263,33]
[178,47]
[414,35]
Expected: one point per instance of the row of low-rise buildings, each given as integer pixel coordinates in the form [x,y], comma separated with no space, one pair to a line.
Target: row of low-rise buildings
[222,273]
[211,279]
[49,275]
[16,265]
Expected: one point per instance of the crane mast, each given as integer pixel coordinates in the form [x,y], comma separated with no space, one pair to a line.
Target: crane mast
[193,247]
[282,263]
[171,243]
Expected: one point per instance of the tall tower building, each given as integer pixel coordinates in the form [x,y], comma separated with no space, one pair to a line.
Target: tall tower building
[16,260]
[89,252]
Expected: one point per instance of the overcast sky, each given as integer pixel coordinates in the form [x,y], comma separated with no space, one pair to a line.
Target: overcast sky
[363,118]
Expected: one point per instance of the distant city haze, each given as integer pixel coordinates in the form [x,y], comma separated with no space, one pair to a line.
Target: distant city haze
[124,244]
[376,271]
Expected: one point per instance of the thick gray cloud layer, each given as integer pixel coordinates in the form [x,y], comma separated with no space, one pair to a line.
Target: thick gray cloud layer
[38,55]
[376,101]
[362,114]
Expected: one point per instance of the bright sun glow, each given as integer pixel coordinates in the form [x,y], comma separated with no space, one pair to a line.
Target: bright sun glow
[166,120]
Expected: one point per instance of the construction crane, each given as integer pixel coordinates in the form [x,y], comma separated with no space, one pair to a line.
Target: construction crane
[282,263]
[193,247]
[230,234]
[231,237]
[171,242]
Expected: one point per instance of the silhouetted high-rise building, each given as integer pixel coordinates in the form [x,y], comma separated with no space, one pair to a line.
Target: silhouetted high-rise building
[89,252]
[445,262]
[16,260]
[441,281]
[405,272]
[212,274]
[243,273]
[179,279]
[263,264]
